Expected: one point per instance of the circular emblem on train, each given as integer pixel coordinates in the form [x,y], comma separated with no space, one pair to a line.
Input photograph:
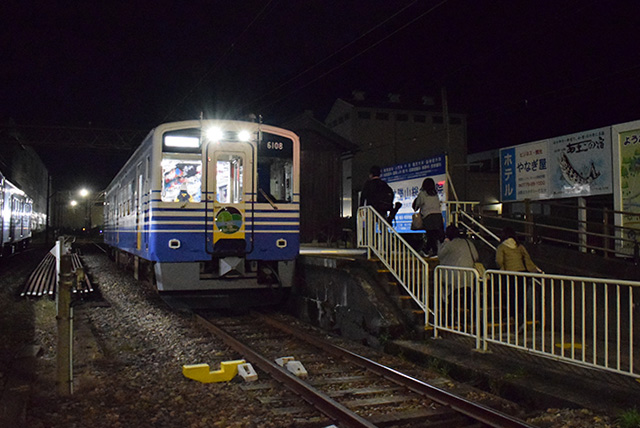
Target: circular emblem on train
[229,220]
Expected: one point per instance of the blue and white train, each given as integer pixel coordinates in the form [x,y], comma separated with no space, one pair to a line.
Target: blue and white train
[17,220]
[212,208]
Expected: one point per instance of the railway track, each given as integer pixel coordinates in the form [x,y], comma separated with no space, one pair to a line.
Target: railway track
[347,389]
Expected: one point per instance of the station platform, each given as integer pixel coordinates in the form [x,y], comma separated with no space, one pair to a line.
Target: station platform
[534,381]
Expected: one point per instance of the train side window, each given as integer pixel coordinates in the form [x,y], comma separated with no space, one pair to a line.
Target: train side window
[229,178]
[275,168]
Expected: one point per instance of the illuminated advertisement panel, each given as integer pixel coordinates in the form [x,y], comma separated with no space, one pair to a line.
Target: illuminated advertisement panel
[626,197]
[406,179]
[563,167]
[580,164]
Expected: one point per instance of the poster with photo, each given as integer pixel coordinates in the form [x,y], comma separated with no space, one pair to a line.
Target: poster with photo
[580,164]
[181,180]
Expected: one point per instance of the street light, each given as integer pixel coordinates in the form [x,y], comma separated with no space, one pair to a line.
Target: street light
[87,213]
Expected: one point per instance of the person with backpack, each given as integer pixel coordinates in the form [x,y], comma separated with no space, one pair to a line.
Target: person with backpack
[377,193]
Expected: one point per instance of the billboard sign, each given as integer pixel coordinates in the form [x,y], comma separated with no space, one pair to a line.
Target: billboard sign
[523,171]
[626,159]
[563,167]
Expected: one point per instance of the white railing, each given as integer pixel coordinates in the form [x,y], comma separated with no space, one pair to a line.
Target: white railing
[580,320]
[455,208]
[403,262]
[456,295]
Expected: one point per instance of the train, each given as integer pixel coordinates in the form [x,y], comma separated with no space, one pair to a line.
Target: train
[210,210]
[18,221]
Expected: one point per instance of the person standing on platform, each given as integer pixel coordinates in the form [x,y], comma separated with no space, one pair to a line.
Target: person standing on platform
[377,193]
[428,203]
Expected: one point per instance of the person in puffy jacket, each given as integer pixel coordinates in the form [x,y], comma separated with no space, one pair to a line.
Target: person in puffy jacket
[512,255]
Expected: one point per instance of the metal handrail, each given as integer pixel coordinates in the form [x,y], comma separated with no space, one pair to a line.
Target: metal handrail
[480,226]
[404,263]
[619,240]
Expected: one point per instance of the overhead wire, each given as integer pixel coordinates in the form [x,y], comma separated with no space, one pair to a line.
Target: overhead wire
[358,54]
[325,59]
[219,61]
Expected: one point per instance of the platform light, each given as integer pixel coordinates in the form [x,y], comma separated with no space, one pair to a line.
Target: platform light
[73,203]
[244,135]
[181,141]
[84,193]
[214,133]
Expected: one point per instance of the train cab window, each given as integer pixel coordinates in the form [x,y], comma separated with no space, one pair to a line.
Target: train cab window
[229,178]
[275,169]
[181,180]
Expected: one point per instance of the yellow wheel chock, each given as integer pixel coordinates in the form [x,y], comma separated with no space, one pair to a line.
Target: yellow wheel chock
[201,373]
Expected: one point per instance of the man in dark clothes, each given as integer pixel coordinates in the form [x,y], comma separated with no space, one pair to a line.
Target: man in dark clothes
[377,193]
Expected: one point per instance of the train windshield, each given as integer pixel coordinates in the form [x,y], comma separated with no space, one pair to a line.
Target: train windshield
[275,168]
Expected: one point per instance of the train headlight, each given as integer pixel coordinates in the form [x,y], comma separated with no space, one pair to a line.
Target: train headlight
[214,133]
[244,135]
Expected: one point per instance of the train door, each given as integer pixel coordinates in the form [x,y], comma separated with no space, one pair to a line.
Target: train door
[229,177]
[145,233]
[2,235]
[138,200]
[14,218]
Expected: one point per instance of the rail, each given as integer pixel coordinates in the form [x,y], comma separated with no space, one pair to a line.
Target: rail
[403,262]
[580,320]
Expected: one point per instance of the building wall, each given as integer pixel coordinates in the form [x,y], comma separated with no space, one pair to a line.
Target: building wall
[391,135]
[320,180]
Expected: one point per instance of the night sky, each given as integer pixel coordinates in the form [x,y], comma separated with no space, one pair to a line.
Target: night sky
[520,70]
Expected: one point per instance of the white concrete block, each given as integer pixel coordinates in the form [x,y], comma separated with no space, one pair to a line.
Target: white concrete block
[296,368]
[247,372]
[284,360]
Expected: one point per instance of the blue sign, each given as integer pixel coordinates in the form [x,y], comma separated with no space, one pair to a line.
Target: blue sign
[508,190]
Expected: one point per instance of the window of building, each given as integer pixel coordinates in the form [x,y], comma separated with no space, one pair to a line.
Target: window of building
[420,118]
[364,115]
[382,116]
[402,117]
[438,119]
[455,121]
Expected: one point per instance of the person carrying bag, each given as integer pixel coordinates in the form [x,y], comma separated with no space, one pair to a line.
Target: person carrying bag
[427,205]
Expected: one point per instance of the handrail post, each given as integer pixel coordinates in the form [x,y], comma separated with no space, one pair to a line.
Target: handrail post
[582,225]
[607,229]
[528,218]
[64,319]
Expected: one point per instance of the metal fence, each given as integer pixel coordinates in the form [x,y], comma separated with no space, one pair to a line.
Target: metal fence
[580,320]
[403,262]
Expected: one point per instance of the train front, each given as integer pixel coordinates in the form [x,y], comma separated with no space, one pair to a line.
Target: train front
[225,227]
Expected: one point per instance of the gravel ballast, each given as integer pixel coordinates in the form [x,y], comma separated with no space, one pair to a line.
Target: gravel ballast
[128,357]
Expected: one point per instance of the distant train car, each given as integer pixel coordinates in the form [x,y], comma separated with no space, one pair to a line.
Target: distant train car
[211,207]
[16,222]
